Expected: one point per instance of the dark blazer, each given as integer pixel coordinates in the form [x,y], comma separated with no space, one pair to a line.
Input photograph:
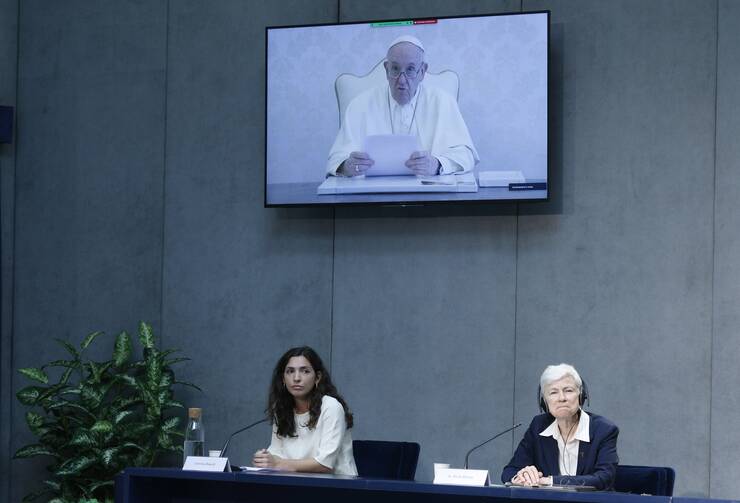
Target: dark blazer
[597,459]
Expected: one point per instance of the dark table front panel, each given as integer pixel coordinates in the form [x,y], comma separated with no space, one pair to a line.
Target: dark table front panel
[157,485]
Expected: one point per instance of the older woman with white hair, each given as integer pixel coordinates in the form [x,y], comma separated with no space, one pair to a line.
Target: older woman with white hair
[565,445]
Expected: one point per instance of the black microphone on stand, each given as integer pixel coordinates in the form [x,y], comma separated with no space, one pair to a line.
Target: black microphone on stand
[226,445]
[492,438]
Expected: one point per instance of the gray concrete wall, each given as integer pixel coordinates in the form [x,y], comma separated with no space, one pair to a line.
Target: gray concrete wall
[138,195]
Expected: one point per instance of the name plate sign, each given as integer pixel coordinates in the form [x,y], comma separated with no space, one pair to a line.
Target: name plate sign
[459,477]
[206,464]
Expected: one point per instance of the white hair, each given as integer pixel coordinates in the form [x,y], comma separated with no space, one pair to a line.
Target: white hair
[554,373]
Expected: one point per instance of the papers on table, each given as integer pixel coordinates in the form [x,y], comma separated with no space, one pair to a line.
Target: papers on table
[390,153]
[440,180]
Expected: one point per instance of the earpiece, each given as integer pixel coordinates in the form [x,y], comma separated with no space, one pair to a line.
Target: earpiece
[541,400]
[584,395]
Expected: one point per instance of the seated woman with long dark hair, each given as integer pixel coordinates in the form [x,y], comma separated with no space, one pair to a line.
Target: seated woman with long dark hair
[310,419]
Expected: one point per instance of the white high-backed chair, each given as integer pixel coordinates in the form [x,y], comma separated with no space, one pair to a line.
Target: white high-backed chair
[347,86]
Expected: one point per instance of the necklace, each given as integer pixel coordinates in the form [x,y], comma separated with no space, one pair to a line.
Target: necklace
[413,115]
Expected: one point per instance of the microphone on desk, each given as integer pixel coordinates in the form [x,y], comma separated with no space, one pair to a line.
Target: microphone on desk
[226,445]
[492,438]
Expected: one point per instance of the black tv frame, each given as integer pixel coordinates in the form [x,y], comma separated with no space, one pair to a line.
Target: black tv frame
[430,202]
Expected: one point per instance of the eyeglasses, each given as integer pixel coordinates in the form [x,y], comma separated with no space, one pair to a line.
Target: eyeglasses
[395,72]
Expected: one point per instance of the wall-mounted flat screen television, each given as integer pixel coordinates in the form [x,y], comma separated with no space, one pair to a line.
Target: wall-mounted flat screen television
[410,111]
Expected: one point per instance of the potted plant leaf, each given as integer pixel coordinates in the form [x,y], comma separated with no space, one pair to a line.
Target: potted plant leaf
[99,417]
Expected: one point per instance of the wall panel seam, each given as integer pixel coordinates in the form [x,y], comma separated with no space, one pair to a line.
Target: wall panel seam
[516,320]
[12,287]
[714,249]
[162,260]
[331,295]
[333,260]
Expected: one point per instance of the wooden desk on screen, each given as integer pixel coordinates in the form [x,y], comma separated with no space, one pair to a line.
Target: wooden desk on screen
[285,194]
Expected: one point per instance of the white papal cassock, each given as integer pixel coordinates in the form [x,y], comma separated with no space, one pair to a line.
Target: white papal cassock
[433,115]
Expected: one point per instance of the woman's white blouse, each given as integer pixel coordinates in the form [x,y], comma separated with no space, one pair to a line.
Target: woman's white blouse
[568,453]
[329,443]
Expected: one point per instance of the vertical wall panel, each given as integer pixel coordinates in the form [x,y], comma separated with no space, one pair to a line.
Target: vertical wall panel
[89,180]
[620,283]
[424,313]
[726,340]
[8,75]
[241,283]
[423,323]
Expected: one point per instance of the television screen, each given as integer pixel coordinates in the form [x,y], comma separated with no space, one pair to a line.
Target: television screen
[408,111]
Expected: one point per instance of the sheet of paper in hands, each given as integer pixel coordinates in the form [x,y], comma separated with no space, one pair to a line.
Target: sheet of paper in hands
[390,153]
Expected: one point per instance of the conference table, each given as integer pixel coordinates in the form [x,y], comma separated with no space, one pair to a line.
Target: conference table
[172,485]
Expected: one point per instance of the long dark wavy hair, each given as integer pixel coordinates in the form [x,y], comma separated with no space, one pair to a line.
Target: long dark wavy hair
[281,403]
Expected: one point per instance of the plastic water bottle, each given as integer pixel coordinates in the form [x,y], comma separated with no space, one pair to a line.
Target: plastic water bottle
[194,435]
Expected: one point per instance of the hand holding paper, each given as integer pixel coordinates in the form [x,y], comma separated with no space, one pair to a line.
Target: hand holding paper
[357,164]
[423,163]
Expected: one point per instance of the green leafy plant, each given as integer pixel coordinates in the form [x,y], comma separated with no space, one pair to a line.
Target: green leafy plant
[100,417]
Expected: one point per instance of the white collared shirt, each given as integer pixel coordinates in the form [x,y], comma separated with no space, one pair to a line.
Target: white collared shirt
[568,454]
[402,116]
